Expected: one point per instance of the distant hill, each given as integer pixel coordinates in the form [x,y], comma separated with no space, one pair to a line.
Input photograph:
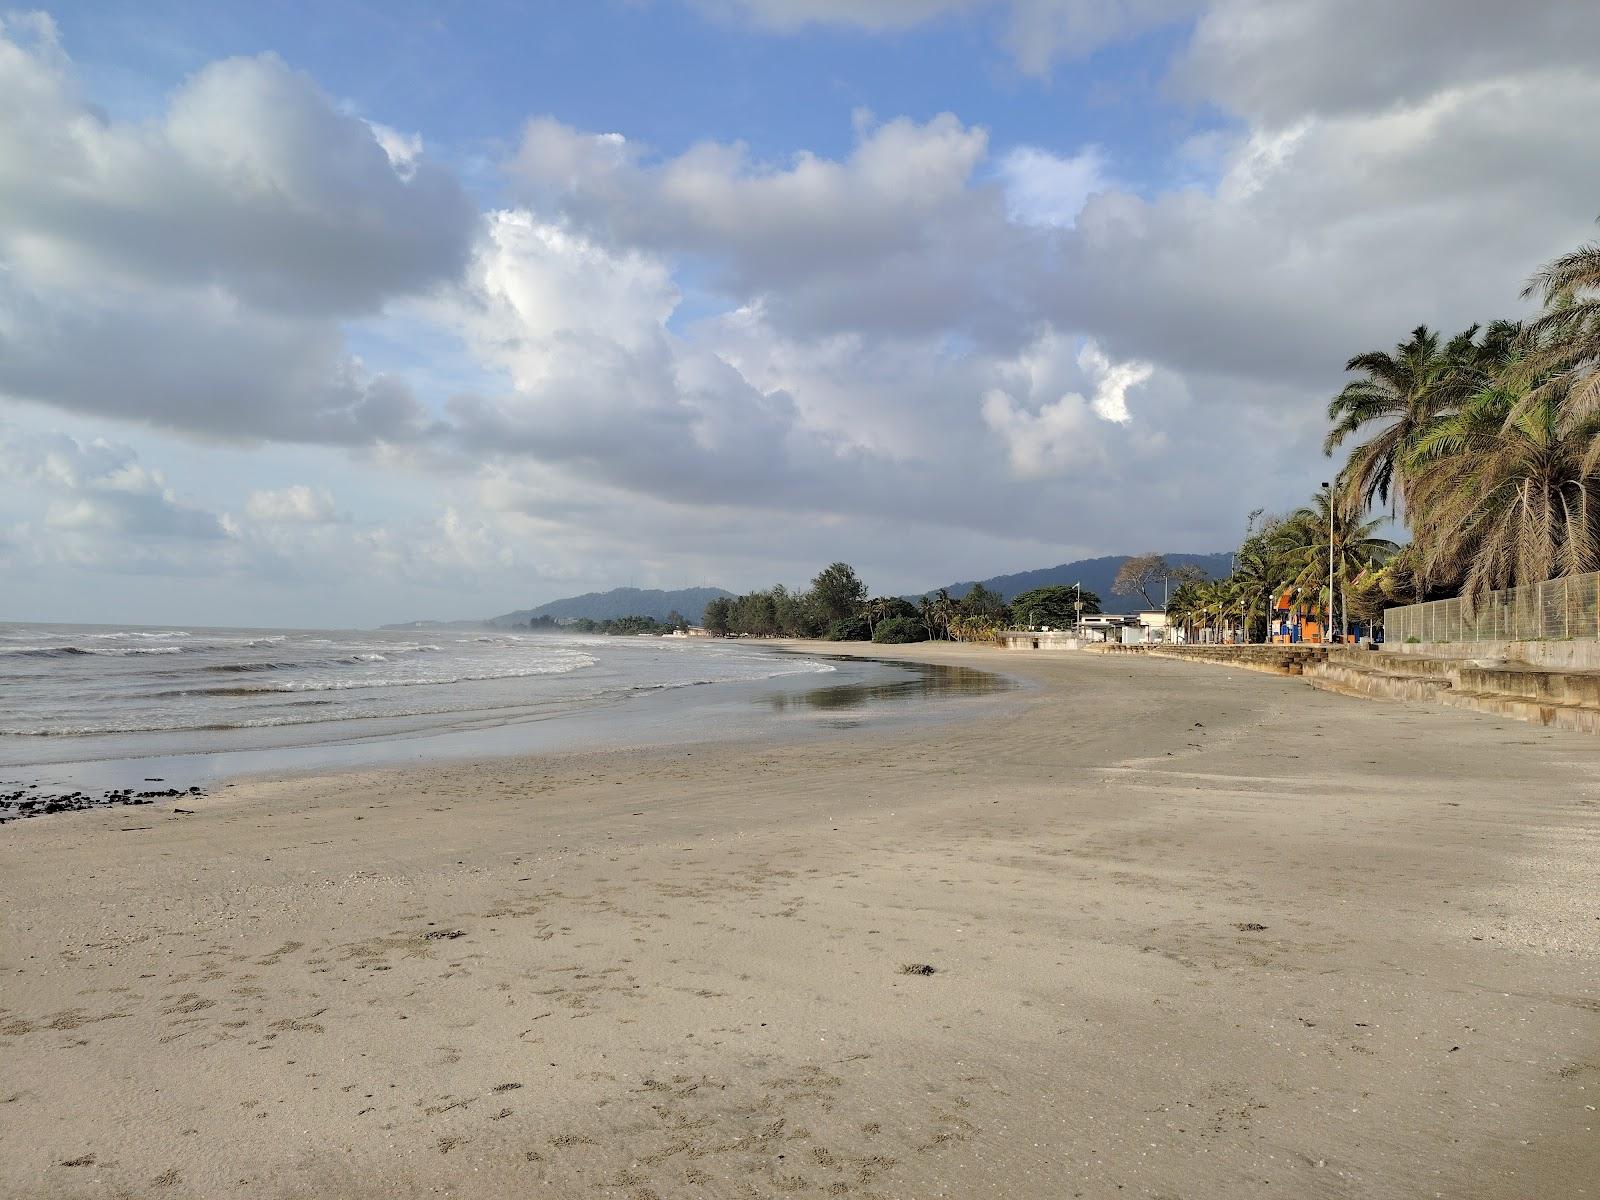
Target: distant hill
[618,602]
[1095,574]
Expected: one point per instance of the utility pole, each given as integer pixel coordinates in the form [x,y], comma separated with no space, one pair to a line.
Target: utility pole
[1326,633]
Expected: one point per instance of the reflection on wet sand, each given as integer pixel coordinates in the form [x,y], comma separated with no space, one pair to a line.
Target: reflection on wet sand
[926,682]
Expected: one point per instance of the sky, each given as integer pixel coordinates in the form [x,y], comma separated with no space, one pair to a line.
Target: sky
[342,313]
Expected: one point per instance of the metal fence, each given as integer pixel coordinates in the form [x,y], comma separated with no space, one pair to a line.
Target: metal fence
[1554,609]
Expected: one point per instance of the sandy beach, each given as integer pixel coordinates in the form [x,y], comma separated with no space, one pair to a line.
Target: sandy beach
[1193,933]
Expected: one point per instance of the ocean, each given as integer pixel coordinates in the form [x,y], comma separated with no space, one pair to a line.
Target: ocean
[102,707]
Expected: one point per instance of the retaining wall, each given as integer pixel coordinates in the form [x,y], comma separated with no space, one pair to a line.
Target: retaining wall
[1273,659]
[1576,654]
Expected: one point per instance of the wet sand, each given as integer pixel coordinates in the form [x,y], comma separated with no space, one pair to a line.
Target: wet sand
[1194,933]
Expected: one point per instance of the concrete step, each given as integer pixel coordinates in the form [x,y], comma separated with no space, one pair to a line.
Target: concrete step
[1566,699]
[1581,718]
[1372,681]
[1274,659]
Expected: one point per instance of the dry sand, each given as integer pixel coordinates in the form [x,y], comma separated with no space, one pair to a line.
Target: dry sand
[1195,933]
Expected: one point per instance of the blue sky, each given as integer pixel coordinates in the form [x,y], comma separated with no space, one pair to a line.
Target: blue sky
[346,313]
[466,75]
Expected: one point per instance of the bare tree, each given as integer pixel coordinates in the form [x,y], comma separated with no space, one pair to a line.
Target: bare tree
[1139,575]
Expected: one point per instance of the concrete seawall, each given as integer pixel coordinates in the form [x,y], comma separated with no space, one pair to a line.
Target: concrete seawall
[1570,654]
[1272,659]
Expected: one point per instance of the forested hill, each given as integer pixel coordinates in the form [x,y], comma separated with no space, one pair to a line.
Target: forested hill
[1095,574]
[618,602]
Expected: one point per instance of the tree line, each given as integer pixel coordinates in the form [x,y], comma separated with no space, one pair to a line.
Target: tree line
[1484,446]
[837,606]
[635,626]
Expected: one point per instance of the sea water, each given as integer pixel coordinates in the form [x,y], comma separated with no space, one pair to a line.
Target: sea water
[101,706]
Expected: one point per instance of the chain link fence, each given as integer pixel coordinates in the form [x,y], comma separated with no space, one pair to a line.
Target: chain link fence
[1554,609]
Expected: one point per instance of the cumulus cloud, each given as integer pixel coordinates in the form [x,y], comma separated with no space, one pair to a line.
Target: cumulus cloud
[781,221]
[579,333]
[101,488]
[1336,233]
[1047,429]
[191,271]
[900,237]
[252,182]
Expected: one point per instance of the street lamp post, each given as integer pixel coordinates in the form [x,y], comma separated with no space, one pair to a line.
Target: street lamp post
[1327,631]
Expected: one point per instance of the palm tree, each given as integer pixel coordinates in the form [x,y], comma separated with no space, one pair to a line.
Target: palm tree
[1404,392]
[1507,491]
[877,609]
[1565,338]
[1184,606]
[937,610]
[1215,605]
[1301,550]
[1254,583]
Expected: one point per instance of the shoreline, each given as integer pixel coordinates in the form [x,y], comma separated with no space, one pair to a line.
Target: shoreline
[674,714]
[680,971]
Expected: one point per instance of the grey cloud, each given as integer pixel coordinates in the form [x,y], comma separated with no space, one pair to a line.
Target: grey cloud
[1279,60]
[180,361]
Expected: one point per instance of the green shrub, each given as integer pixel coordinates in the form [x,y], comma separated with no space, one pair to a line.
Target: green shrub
[897,631]
[850,629]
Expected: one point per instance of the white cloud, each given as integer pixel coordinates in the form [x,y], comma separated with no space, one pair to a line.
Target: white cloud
[1048,428]
[100,488]
[900,237]
[1337,234]
[299,503]
[1112,382]
[404,150]
[779,220]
